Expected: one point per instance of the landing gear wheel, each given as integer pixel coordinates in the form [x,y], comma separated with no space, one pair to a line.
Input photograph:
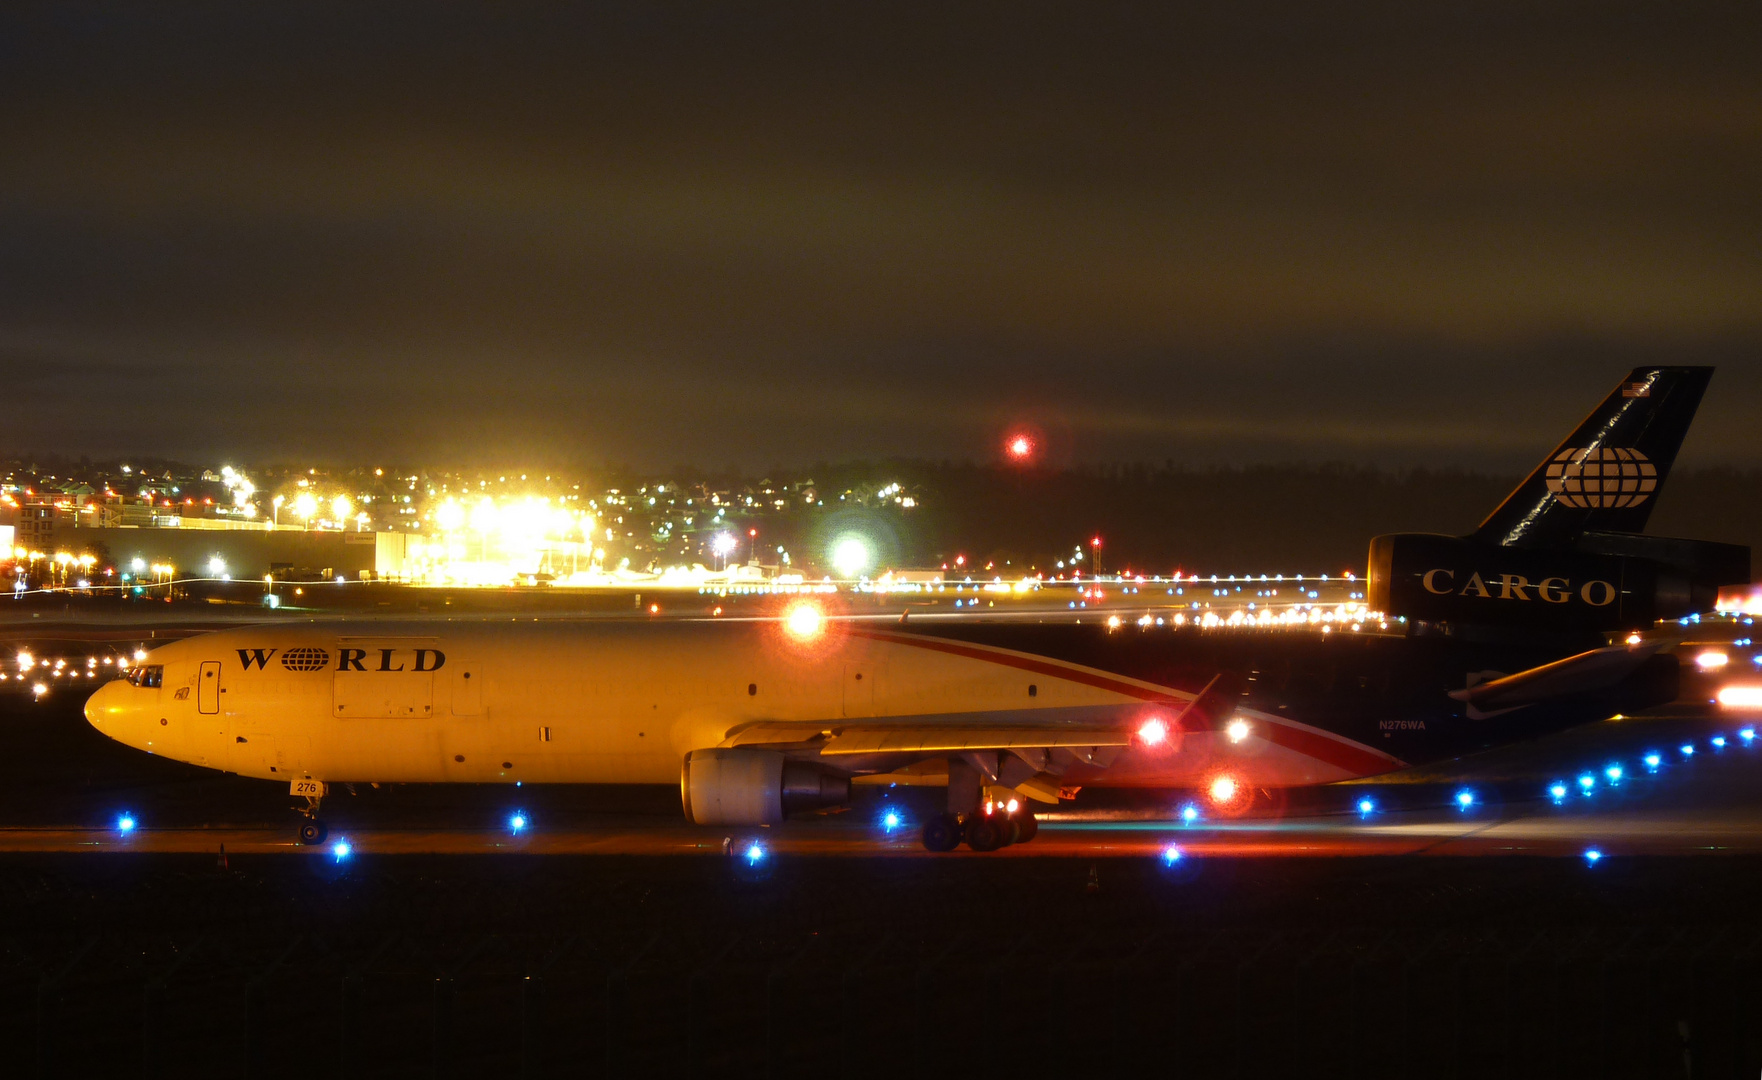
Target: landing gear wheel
[313,831]
[1027,825]
[942,833]
[985,833]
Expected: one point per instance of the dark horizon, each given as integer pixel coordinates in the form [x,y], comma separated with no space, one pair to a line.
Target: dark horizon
[653,233]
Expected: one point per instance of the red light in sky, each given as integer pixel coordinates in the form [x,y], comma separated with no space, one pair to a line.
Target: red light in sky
[1095,541]
[1020,447]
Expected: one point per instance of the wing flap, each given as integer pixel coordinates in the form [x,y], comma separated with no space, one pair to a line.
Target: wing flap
[945,739]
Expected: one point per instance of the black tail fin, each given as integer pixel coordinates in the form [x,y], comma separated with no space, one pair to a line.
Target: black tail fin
[1605,476]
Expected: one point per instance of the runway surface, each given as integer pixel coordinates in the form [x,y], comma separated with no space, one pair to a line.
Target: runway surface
[1705,802]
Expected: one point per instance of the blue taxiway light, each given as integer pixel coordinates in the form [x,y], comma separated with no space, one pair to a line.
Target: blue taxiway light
[516,821]
[1587,782]
[755,853]
[1464,799]
[341,850]
[125,823]
[1654,760]
[1557,792]
[890,820]
[1719,742]
[1189,813]
[1613,772]
[1747,734]
[1366,806]
[1592,855]
[1171,855]
[1688,749]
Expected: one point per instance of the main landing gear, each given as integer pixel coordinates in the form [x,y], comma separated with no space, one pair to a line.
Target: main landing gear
[988,828]
[986,824]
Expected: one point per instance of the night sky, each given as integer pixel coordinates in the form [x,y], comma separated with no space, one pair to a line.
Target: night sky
[743,235]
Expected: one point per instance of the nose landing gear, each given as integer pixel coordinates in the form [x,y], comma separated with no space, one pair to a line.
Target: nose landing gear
[312,830]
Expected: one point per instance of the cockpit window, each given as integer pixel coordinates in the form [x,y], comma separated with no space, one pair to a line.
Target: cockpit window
[146,675]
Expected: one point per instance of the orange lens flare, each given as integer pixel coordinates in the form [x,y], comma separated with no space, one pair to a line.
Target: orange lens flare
[804,622]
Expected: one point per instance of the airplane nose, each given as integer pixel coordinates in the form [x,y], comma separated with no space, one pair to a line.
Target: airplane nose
[103,705]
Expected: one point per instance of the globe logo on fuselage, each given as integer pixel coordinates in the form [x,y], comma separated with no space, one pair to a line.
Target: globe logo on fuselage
[1601,478]
[304,658]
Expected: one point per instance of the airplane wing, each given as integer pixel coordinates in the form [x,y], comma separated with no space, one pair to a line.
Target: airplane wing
[1026,749]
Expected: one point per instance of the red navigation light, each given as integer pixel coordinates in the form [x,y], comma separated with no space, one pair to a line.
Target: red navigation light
[1154,731]
[1095,541]
[1020,447]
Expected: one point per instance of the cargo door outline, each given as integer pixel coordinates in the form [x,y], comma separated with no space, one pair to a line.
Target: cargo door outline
[859,690]
[467,684]
[377,695]
[208,688]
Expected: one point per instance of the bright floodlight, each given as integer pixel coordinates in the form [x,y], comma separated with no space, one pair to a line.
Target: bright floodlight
[723,544]
[804,621]
[1154,731]
[216,566]
[1711,660]
[850,556]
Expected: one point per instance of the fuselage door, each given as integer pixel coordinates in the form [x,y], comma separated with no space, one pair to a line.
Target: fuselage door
[468,689]
[859,689]
[208,688]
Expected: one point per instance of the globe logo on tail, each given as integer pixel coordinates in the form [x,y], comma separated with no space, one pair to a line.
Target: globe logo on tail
[1601,478]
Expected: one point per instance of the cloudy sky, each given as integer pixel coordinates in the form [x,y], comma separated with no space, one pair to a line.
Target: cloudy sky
[732,234]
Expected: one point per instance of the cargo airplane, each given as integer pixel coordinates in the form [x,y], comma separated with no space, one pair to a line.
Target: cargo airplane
[1541,618]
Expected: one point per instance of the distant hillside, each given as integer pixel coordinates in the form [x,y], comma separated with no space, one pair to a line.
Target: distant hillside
[1273,519]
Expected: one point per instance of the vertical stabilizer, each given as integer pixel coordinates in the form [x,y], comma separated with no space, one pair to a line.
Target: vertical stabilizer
[1607,474]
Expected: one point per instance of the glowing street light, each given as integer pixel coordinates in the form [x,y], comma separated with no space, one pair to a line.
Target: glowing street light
[850,556]
[723,545]
[306,505]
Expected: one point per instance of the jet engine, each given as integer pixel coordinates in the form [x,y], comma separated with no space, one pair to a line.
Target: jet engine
[755,787]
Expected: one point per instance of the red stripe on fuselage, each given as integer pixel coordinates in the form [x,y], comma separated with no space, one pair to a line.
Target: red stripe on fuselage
[1353,757]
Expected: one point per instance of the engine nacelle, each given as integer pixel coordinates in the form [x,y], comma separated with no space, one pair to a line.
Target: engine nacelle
[1609,581]
[754,787]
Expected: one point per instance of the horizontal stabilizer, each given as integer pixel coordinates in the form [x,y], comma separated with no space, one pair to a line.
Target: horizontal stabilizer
[1587,673]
